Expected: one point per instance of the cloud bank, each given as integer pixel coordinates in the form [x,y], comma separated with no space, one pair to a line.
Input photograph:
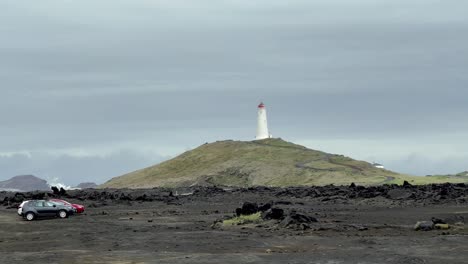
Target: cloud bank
[91,90]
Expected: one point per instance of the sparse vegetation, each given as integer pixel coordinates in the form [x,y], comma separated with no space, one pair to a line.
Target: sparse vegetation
[244,219]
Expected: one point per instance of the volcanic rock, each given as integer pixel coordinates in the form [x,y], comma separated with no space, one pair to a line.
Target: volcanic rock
[437,221]
[264,207]
[297,221]
[273,213]
[57,191]
[399,194]
[248,208]
[424,226]
[455,220]
[406,184]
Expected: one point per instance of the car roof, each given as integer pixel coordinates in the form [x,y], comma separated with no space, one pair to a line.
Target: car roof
[32,202]
[59,200]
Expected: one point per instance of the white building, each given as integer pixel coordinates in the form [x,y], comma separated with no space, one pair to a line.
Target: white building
[378,165]
[262,123]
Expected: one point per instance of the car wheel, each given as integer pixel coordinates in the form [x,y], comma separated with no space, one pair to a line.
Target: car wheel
[63,214]
[30,216]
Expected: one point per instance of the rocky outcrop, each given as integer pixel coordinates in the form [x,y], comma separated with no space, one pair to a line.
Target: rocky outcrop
[295,220]
[428,194]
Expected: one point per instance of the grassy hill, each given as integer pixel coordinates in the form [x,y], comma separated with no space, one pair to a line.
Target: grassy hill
[270,162]
[461,177]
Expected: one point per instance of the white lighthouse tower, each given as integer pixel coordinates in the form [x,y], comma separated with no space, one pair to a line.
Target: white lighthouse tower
[262,124]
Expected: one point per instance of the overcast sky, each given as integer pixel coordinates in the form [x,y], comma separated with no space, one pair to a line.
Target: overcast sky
[94,89]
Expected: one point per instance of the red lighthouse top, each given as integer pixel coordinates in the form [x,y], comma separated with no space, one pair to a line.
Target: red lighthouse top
[261,105]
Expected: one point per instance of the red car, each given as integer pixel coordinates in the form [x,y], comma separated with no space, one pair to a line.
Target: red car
[79,208]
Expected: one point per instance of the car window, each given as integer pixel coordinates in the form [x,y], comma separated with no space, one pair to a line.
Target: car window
[39,204]
[49,204]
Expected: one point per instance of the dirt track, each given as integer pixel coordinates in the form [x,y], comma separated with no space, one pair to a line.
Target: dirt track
[180,229]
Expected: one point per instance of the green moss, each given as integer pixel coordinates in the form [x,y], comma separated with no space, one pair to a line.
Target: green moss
[244,219]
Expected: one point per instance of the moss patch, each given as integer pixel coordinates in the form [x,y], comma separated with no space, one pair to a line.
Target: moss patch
[244,219]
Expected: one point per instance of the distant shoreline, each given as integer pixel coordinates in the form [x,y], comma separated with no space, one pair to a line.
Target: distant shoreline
[10,190]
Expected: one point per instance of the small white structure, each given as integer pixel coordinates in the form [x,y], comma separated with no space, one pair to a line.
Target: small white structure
[262,124]
[378,165]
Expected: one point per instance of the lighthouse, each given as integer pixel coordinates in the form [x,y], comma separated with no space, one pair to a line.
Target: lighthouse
[262,124]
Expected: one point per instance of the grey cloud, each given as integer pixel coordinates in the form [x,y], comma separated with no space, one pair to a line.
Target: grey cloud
[75,169]
[114,75]
[424,165]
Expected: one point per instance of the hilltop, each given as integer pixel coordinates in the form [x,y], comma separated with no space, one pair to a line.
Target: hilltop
[25,183]
[269,162]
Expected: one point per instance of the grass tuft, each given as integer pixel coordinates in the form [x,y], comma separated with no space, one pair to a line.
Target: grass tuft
[244,219]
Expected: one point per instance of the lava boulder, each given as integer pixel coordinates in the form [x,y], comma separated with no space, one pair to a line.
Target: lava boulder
[273,214]
[248,208]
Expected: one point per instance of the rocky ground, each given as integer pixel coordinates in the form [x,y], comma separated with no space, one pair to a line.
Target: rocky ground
[298,225]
